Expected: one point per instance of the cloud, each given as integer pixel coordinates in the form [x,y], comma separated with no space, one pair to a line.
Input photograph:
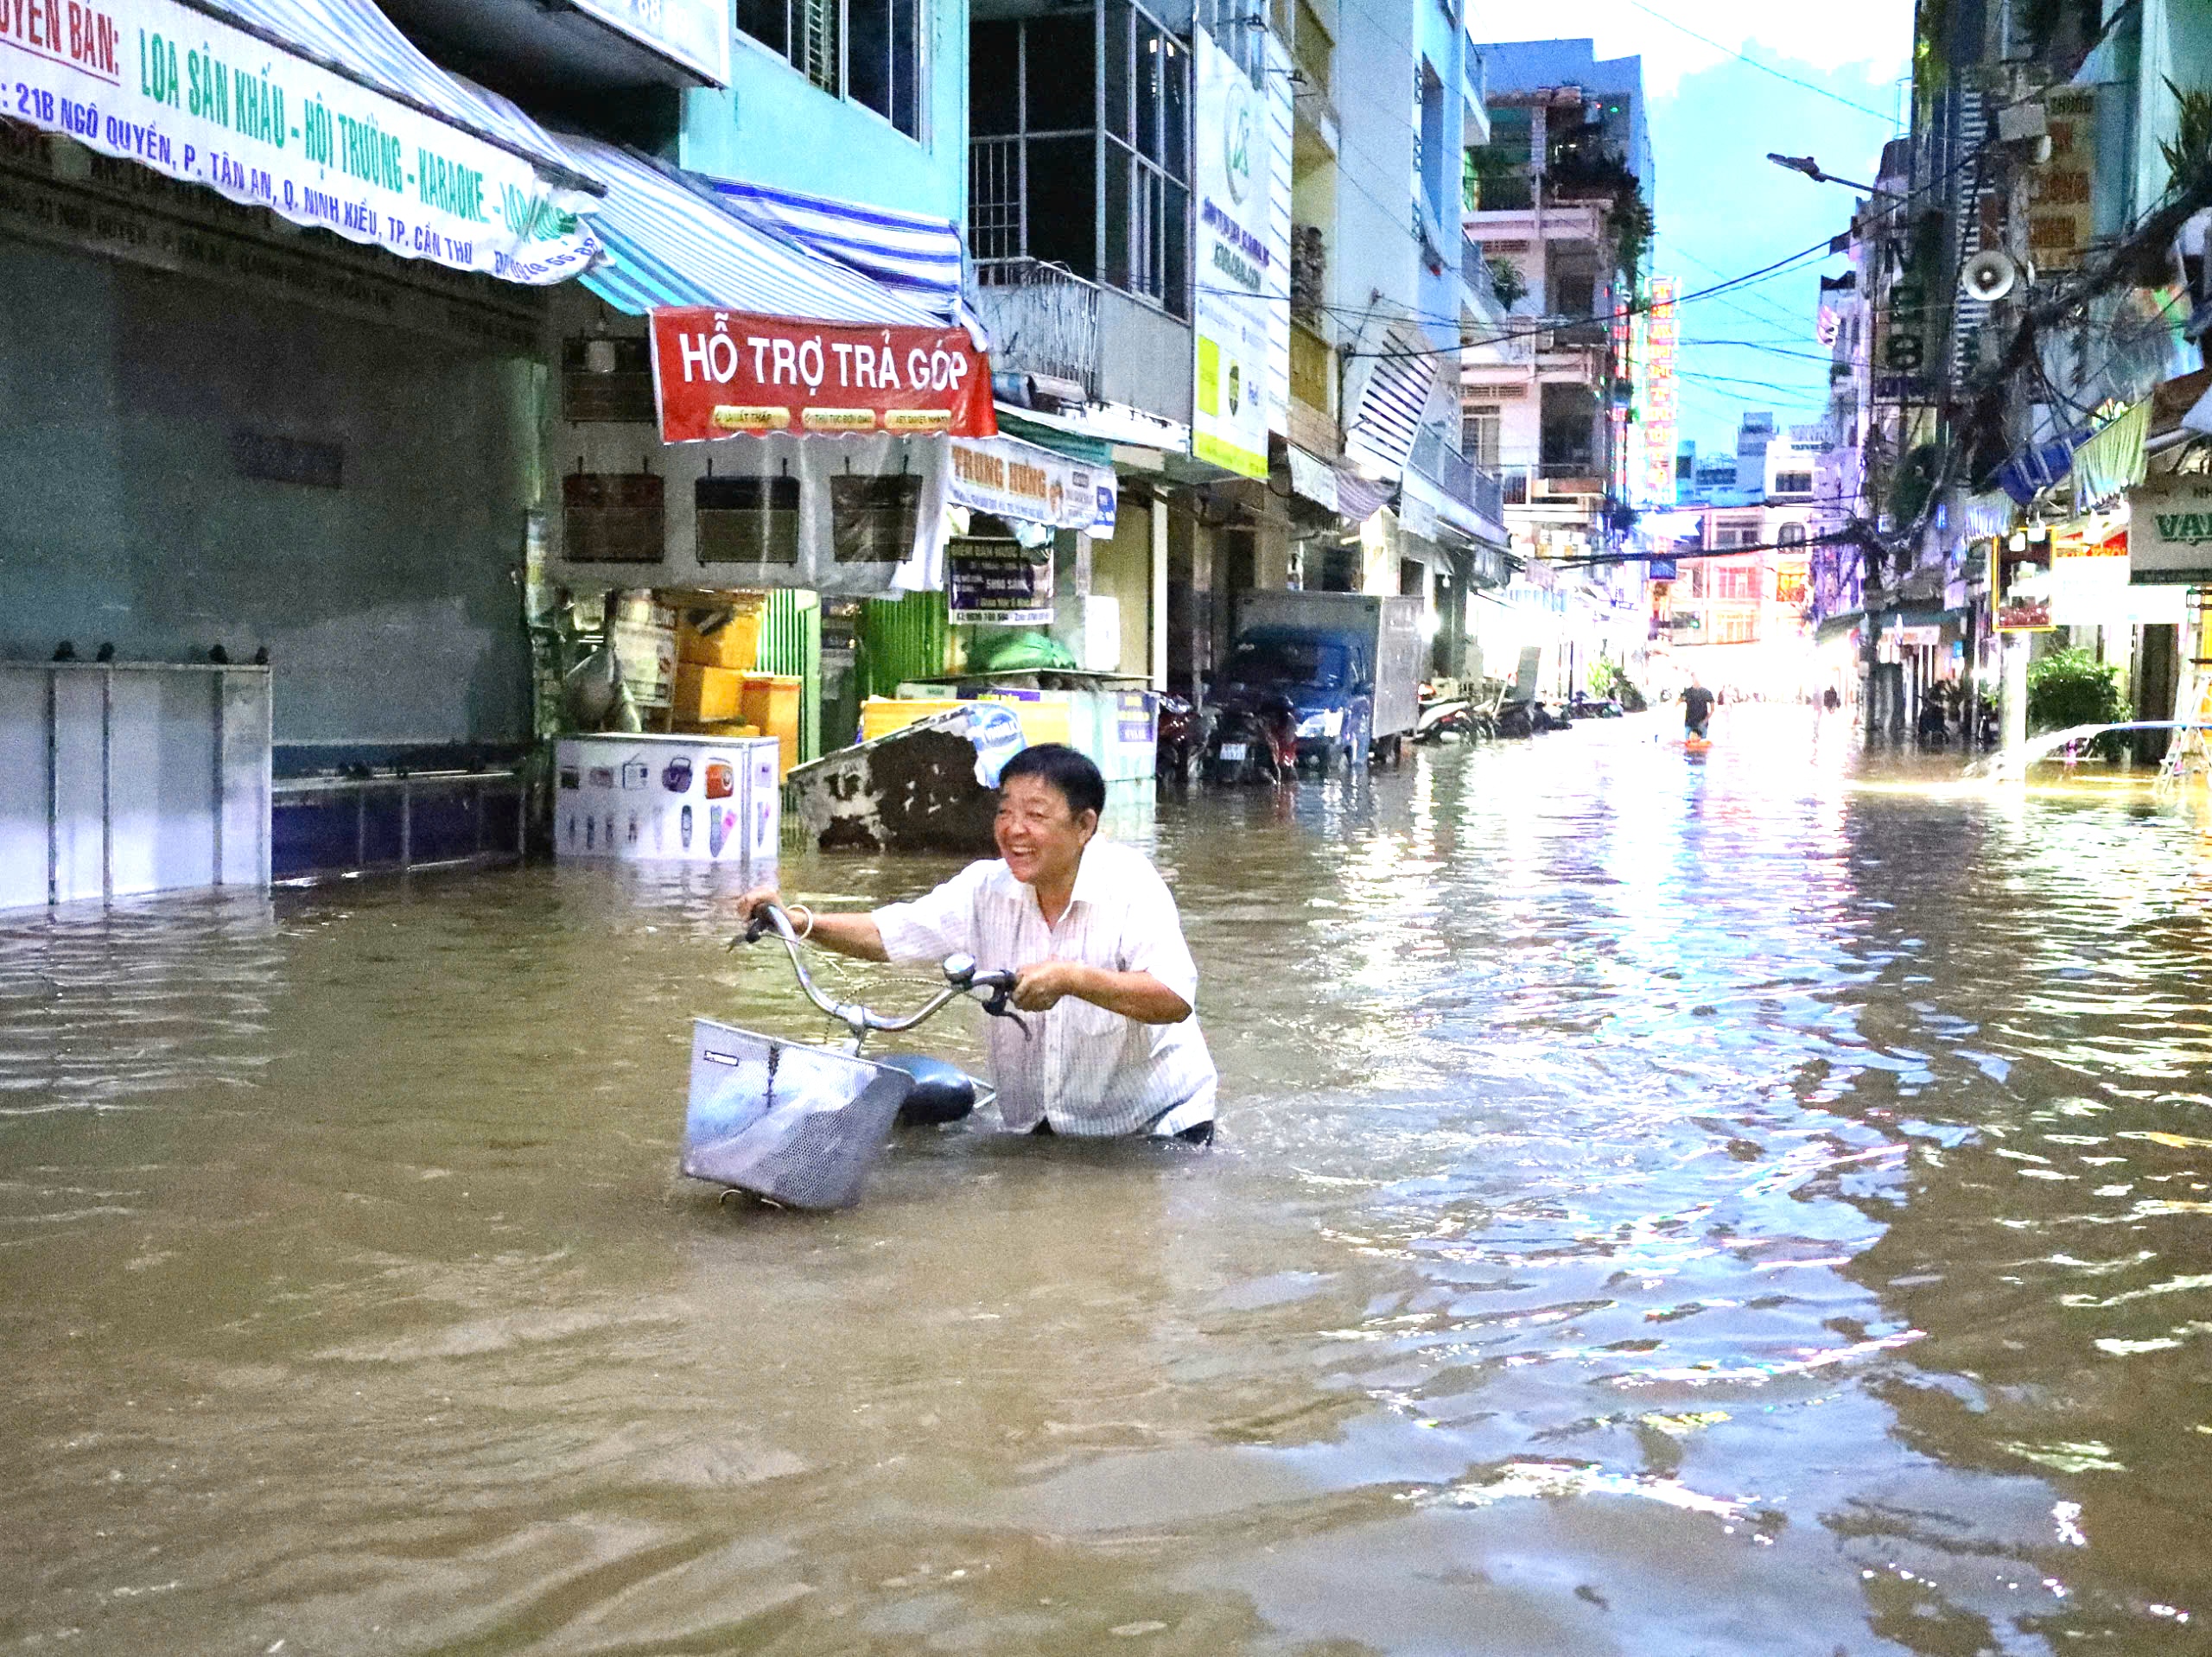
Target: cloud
[1874,34]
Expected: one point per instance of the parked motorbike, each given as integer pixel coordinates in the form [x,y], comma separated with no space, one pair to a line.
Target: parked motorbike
[1182,739]
[1526,716]
[1585,707]
[1253,744]
[1452,717]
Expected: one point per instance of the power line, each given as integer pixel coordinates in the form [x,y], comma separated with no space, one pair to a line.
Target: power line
[1890,121]
[1760,344]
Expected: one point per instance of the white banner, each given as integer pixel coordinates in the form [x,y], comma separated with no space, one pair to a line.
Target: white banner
[694,33]
[1238,268]
[1008,478]
[2169,531]
[155,82]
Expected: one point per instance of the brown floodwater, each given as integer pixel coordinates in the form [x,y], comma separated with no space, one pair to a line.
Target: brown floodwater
[1754,1205]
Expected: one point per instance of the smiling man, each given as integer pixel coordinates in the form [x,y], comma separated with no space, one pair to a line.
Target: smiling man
[1098,950]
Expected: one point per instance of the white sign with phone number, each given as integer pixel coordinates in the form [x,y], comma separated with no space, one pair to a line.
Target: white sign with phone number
[175,90]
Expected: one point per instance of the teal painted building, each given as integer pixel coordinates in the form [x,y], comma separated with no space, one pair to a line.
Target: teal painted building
[863,101]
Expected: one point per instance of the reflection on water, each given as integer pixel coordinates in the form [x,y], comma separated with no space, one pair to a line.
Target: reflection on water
[1756,1204]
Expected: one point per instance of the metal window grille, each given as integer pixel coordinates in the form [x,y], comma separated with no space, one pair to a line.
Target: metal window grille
[1139,138]
[995,228]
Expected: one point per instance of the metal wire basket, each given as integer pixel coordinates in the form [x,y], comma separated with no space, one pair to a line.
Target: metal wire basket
[800,1125]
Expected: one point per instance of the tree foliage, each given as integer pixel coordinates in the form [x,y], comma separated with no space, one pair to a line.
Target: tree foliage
[2071,687]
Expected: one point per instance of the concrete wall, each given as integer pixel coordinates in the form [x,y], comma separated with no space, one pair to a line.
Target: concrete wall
[773,126]
[386,603]
[1121,569]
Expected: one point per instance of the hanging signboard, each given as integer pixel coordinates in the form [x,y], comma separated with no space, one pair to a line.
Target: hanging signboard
[719,374]
[1010,478]
[174,89]
[2019,586]
[2062,218]
[997,581]
[2090,586]
[1237,265]
[694,33]
[2170,532]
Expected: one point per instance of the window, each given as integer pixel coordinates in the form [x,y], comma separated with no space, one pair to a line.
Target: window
[1793,483]
[873,520]
[1734,581]
[868,51]
[1080,153]
[1790,535]
[612,517]
[1478,436]
[1428,136]
[1145,161]
[1734,630]
[746,520]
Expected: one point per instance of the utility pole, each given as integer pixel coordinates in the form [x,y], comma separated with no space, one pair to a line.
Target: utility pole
[2013,312]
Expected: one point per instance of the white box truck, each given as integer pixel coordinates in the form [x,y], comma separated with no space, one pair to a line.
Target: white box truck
[1350,664]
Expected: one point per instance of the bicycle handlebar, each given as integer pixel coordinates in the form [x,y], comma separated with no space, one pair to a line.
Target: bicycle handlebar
[994,989]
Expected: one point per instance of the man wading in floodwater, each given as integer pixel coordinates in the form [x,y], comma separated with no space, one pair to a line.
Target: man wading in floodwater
[1101,955]
[1697,710]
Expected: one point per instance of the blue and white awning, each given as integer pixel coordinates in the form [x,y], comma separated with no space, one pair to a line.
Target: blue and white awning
[353,39]
[911,253]
[669,240]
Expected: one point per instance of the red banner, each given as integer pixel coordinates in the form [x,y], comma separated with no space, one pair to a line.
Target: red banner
[738,374]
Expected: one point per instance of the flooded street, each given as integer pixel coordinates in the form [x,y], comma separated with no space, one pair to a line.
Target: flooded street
[1761,1205]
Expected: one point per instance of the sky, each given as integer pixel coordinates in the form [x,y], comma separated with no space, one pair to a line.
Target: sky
[1722,208]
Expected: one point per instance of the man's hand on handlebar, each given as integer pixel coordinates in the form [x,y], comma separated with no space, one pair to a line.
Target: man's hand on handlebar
[847,935]
[1043,985]
[759,899]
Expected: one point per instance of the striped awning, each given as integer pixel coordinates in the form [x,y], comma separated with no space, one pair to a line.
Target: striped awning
[353,39]
[2114,459]
[1390,406]
[914,254]
[671,241]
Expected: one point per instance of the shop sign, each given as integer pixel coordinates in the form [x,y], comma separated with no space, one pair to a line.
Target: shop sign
[1134,717]
[1010,478]
[694,33]
[1240,267]
[173,89]
[994,582]
[1921,637]
[719,374]
[2019,587]
[2061,207]
[2169,531]
[2090,586]
[1901,349]
[127,213]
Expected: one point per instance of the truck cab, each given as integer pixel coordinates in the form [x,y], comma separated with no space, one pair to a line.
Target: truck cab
[1327,674]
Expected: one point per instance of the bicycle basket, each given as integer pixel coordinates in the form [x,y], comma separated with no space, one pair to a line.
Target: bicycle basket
[799,1125]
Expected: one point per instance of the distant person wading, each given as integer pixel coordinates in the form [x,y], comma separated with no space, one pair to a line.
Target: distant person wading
[1697,711]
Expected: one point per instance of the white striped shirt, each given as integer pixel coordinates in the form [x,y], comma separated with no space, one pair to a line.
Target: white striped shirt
[1086,1071]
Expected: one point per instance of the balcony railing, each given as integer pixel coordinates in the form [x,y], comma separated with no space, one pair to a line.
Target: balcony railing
[1474,269]
[1555,481]
[1456,475]
[1579,336]
[1043,319]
